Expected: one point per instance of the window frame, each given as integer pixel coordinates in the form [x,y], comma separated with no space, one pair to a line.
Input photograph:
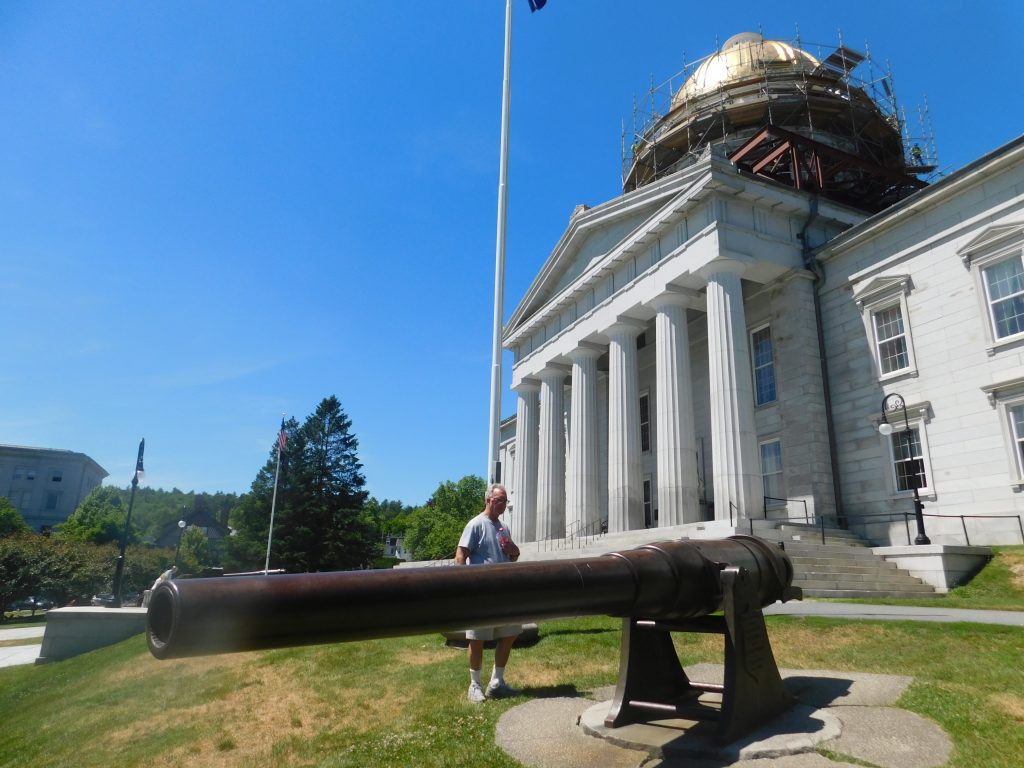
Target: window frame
[777,502]
[917,416]
[993,246]
[758,403]
[878,296]
[647,486]
[645,395]
[1004,397]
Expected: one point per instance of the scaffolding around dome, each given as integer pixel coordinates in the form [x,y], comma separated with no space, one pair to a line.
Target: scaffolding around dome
[832,106]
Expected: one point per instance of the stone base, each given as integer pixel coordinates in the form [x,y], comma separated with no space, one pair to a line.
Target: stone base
[941,565]
[847,713]
[73,631]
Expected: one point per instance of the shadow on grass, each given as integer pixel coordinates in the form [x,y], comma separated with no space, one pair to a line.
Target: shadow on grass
[596,631]
[567,690]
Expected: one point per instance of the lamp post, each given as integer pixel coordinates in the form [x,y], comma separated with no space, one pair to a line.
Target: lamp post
[119,570]
[181,532]
[898,403]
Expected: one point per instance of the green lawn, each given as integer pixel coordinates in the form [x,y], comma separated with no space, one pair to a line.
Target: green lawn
[401,702]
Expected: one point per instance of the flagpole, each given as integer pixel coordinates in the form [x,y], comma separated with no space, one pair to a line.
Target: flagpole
[493,470]
[273,501]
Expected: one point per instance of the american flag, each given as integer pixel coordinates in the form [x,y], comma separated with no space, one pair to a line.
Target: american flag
[282,436]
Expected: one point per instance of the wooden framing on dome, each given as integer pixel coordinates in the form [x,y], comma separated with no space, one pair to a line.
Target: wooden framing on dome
[804,163]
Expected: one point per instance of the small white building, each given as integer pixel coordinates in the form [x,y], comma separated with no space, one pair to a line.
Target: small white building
[47,485]
[717,342]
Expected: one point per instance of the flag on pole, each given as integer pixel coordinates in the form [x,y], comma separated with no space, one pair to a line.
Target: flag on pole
[282,436]
[536,5]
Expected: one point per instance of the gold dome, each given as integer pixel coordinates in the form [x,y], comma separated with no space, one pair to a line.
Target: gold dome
[744,56]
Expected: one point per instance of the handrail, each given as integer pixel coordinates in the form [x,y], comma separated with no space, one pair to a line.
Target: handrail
[894,515]
[807,518]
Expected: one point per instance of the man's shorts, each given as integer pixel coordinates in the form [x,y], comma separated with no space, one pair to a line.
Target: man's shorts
[493,633]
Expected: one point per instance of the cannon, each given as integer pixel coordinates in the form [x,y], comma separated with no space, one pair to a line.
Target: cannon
[657,589]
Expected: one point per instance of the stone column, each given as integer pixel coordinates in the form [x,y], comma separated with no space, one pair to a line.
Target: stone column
[625,494]
[551,455]
[582,507]
[737,477]
[527,412]
[677,449]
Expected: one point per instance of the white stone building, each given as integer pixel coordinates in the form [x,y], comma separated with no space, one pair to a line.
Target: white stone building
[47,485]
[716,343]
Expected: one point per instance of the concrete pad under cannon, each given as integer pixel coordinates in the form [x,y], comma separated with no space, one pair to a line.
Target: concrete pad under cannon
[847,713]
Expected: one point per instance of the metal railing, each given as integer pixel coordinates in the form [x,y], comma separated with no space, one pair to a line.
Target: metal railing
[807,516]
[907,515]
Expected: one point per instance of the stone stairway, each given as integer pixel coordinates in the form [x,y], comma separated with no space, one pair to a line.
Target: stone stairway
[844,566]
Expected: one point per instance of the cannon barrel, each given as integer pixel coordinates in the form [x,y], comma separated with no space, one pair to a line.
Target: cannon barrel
[670,580]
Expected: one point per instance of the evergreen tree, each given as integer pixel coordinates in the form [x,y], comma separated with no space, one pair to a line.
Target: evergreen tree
[318,524]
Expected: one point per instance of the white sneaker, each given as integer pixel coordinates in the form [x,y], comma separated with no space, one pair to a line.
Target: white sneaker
[476,693]
[500,690]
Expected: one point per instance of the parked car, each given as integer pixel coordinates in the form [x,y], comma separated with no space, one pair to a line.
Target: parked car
[106,599]
[32,603]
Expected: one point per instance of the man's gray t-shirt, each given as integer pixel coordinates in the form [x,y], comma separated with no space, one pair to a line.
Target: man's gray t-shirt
[481,538]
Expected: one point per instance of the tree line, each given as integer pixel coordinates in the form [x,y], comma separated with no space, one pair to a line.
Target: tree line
[324,520]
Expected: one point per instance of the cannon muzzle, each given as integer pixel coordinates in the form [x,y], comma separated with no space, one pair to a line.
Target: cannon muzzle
[670,580]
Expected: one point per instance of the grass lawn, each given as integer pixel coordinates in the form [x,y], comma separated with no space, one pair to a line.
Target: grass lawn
[401,702]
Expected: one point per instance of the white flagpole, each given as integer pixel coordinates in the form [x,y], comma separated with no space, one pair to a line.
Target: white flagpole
[273,501]
[499,258]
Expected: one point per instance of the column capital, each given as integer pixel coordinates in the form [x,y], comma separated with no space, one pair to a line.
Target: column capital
[733,264]
[676,296]
[587,349]
[554,370]
[527,386]
[625,326]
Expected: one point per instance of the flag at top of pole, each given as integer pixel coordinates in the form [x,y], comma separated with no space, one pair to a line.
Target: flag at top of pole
[536,5]
[282,437]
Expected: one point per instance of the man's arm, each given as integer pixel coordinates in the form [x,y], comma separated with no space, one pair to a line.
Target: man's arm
[461,555]
[511,550]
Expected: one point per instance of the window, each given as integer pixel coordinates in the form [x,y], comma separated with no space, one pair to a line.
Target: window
[994,259]
[645,422]
[649,521]
[771,473]
[908,460]
[890,340]
[56,475]
[24,473]
[1007,397]
[1004,293]
[52,500]
[1017,431]
[764,365]
[883,305]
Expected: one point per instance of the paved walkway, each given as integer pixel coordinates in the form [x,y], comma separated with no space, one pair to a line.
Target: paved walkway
[14,655]
[893,612]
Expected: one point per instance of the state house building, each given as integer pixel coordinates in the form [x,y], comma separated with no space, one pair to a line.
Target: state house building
[718,341]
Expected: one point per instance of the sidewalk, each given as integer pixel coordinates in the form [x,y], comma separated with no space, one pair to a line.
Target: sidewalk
[893,613]
[20,654]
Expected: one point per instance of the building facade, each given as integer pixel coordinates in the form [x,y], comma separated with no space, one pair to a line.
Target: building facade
[47,485]
[716,343]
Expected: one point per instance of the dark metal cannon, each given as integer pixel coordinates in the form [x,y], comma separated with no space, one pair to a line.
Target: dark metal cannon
[672,586]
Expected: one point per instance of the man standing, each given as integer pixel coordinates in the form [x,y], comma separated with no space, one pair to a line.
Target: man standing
[486,540]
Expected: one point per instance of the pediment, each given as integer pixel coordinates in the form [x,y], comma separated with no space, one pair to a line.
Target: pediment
[992,239]
[881,287]
[589,238]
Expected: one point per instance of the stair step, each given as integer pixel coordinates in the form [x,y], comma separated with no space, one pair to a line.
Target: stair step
[843,593]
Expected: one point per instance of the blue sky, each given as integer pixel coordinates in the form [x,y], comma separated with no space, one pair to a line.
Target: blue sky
[215,213]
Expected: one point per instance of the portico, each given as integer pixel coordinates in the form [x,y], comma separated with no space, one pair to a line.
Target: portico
[633,364]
